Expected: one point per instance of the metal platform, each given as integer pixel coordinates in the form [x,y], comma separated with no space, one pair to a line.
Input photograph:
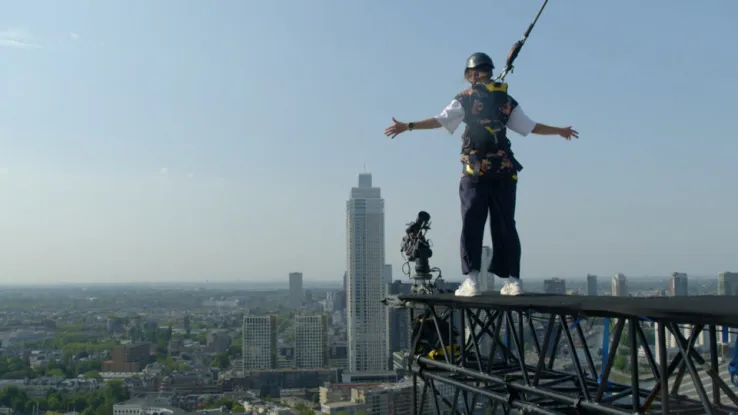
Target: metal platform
[530,354]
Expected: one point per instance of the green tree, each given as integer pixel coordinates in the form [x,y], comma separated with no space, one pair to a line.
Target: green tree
[53,403]
[13,397]
[116,391]
[304,409]
[151,334]
[236,348]
[162,347]
[621,363]
[93,374]
[56,373]
[221,360]
[92,365]
[172,365]
[229,403]
[15,368]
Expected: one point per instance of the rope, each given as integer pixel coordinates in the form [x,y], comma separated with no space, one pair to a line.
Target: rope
[519,45]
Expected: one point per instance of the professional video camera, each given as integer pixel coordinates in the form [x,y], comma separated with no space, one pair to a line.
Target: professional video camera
[416,248]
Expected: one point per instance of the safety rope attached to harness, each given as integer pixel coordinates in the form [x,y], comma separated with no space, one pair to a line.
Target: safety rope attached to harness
[519,45]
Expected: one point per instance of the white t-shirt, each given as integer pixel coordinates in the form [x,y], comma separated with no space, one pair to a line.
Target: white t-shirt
[453,115]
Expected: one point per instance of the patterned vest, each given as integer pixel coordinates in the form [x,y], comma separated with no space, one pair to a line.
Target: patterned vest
[485,147]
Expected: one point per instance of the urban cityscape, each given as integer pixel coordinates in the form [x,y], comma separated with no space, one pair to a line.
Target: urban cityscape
[169,349]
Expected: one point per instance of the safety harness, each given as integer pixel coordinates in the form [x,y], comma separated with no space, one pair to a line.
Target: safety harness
[473,162]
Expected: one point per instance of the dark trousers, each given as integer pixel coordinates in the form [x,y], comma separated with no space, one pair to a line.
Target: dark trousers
[480,195]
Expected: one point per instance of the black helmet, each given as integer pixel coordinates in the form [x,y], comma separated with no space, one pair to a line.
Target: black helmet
[478,59]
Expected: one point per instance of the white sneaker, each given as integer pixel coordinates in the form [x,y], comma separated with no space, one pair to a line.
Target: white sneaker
[468,288]
[511,287]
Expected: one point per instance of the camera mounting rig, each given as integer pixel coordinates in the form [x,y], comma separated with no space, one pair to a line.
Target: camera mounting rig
[417,248]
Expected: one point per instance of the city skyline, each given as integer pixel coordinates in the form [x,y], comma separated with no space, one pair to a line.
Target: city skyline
[281,282]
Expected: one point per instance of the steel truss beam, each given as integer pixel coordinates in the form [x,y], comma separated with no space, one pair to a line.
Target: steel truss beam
[512,360]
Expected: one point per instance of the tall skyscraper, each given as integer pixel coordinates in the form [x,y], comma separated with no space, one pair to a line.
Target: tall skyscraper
[311,341]
[297,295]
[678,285]
[591,284]
[554,286]
[486,278]
[728,283]
[259,342]
[366,316]
[387,274]
[619,285]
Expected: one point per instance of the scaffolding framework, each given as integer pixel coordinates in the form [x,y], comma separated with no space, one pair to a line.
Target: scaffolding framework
[511,354]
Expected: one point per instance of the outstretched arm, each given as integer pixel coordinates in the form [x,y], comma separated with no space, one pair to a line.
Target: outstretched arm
[398,127]
[523,125]
[426,124]
[566,132]
[450,119]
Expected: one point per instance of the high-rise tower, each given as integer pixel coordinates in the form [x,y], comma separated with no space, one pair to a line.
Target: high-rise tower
[619,285]
[311,341]
[728,283]
[678,284]
[366,317]
[297,295]
[259,342]
[591,284]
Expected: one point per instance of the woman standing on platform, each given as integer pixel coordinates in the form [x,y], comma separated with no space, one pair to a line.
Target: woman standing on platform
[490,173]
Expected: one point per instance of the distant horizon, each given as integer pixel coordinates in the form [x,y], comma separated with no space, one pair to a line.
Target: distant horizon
[322,283]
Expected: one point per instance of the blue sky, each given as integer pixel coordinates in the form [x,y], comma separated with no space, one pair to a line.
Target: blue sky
[185,140]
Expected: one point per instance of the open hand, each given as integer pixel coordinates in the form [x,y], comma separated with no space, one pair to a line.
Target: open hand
[395,129]
[568,133]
